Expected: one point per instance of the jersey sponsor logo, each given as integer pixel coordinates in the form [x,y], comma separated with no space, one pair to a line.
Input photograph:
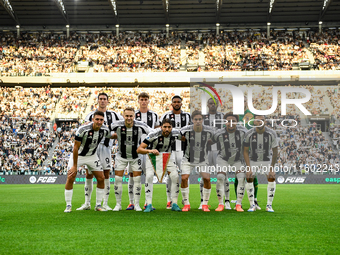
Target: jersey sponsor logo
[123,130]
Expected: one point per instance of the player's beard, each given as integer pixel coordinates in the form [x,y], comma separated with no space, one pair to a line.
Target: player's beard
[177,107]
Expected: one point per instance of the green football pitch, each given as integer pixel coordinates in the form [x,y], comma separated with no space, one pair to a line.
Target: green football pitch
[306,221]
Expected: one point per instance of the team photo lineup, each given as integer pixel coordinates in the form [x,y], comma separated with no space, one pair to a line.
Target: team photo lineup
[196,144]
[169,127]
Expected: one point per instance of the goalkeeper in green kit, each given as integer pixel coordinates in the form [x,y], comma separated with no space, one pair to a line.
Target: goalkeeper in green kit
[248,115]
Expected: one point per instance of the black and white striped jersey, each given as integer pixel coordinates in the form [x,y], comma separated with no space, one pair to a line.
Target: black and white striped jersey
[150,118]
[156,140]
[90,139]
[230,145]
[177,121]
[196,143]
[109,117]
[260,144]
[214,120]
[129,138]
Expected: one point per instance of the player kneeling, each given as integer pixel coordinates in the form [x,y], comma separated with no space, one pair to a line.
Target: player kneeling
[84,153]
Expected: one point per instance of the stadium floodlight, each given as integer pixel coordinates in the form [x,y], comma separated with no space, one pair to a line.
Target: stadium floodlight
[167,25]
[217,24]
[324,4]
[271,4]
[320,22]
[61,4]
[268,24]
[67,26]
[17,26]
[117,25]
[167,5]
[114,6]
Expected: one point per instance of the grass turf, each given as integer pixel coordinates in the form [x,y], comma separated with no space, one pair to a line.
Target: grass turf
[306,221]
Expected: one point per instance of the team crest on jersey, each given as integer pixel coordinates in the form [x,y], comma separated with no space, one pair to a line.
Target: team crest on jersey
[237,137]
[183,118]
[266,139]
[149,118]
[135,132]
[203,137]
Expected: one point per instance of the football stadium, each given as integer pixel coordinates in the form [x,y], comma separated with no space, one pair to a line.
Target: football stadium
[169,126]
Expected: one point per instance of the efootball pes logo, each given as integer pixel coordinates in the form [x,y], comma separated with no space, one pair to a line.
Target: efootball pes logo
[238,98]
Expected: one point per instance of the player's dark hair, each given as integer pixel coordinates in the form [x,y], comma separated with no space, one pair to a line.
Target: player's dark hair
[100,113]
[129,109]
[231,114]
[103,94]
[166,120]
[174,97]
[196,112]
[143,94]
[216,101]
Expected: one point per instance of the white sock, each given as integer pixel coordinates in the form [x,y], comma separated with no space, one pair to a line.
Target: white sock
[271,192]
[250,192]
[88,190]
[137,189]
[206,195]
[68,196]
[148,188]
[99,196]
[201,189]
[240,188]
[220,187]
[185,195]
[130,188]
[174,187]
[107,191]
[118,189]
[168,189]
[226,190]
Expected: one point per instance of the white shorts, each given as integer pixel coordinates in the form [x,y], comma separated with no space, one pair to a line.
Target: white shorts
[222,166]
[189,168]
[104,155]
[134,164]
[178,156]
[260,167]
[91,162]
[212,157]
[143,159]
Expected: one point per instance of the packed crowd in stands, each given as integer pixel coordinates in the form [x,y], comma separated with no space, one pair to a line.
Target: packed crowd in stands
[20,102]
[326,49]
[73,102]
[24,144]
[37,54]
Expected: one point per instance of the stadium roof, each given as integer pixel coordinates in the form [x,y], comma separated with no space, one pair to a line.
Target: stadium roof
[177,13]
